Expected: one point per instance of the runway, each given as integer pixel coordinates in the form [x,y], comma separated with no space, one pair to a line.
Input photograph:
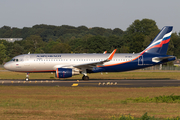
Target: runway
[93,83]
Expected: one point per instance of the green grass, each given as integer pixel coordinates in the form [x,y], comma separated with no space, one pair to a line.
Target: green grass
[160,99]
[143,117]
[38,102]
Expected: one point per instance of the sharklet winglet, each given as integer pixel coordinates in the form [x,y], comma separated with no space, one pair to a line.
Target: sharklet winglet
[105,52]
[111,55]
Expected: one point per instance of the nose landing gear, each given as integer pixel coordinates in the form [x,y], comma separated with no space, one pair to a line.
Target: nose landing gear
[27,77]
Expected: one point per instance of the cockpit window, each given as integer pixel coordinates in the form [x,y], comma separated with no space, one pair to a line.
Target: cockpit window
[15,60]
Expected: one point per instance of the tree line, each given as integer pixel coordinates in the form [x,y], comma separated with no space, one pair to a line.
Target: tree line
[68,39]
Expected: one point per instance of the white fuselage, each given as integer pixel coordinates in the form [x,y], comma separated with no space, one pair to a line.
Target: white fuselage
[50,62]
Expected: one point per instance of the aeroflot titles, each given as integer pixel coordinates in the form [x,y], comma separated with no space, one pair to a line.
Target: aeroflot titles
[48,55]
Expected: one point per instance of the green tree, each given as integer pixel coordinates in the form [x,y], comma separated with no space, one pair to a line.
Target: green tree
[124,49]
[17,50]
[117,32]
[136,33]
[36,40]
[136,43]
[96,44]
[176,42]
[77,46]
[61,48]
[145,26]
[2,53]
[148,38]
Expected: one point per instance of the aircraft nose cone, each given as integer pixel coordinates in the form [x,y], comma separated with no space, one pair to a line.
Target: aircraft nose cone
[6,66]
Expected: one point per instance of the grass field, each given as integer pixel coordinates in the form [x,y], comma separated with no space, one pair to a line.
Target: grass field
[37,102]
[19,102]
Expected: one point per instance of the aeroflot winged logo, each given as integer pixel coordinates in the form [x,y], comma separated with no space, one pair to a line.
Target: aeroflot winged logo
[48,56]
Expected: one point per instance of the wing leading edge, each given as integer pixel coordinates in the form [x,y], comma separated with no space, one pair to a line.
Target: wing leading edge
[95,64]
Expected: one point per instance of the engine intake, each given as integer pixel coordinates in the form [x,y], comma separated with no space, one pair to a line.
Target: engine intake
[66,72]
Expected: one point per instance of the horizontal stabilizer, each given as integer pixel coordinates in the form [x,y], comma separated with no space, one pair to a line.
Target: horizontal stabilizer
[159,59]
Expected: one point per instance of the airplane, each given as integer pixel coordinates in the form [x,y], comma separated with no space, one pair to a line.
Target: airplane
[67,65]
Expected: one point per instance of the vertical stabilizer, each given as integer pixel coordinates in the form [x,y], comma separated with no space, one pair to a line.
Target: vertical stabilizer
[160,43]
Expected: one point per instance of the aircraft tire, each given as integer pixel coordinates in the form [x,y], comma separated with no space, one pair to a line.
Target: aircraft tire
[85,78]
[27,79]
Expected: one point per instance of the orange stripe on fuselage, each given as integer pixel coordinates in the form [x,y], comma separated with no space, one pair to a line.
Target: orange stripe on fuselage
[57,73]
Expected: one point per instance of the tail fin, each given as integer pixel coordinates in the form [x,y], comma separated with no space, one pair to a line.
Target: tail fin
[160,43]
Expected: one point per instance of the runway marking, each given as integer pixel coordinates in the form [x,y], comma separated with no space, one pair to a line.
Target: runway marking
[74,84]
[108,83]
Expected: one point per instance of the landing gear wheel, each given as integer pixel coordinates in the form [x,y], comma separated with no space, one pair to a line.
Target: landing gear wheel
[85,78]
[27,79]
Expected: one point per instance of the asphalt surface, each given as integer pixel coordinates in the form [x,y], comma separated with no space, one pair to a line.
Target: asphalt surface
[95,83]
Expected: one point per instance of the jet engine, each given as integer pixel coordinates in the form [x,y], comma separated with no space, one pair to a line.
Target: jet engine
[66,72]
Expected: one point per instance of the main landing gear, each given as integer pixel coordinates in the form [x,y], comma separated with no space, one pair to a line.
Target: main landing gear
[27,77]
[85,77]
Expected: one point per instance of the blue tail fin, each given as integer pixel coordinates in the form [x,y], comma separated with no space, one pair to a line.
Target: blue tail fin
[160,43]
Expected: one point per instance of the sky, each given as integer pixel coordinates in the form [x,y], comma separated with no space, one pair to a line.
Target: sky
[90,13]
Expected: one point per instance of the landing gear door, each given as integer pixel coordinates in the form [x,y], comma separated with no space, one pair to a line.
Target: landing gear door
[26,60]
[140,60]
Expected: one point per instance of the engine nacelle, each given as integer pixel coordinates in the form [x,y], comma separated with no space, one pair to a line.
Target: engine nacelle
[66,72]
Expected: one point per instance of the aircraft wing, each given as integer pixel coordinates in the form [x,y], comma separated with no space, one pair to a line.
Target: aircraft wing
[95,64]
